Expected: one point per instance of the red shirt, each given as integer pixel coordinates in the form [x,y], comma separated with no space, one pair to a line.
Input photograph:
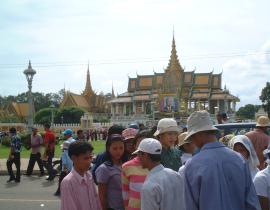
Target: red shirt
[49,139]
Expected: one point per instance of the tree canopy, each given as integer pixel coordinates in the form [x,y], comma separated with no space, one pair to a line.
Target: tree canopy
[265,98]
[247,112]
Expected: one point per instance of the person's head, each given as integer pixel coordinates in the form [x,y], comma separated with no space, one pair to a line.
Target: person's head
[134,126]
[129,138]
[185,146]
[142,135]
[115,149]
[34,130]
[219,118]
[68,133]
[12,131]
[244,146]
[81,155]
[200,129]
[47,126]
[80,134]
[262,123]
[149,152]
[141,126]
[167,132]
[115,129]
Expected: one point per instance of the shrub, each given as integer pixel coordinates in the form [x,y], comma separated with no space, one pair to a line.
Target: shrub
[6,141]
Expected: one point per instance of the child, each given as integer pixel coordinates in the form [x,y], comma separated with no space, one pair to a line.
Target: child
[108,174]
[78,191]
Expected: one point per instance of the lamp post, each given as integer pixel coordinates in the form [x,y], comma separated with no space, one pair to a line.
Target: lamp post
[29,73]
[52,117]
[62,119]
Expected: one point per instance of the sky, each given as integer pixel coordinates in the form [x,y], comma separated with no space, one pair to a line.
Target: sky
[125,38]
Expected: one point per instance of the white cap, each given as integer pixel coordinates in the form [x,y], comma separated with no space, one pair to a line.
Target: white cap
[199,121]
[150,146]
[166,125]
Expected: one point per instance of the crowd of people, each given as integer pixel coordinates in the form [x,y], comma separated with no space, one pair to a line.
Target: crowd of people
[162,168]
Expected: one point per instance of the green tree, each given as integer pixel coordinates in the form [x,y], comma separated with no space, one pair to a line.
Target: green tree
[247,111]
[44,115]
[69,114]
[265,98]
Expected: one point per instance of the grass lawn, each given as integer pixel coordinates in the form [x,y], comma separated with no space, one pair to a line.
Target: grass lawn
[99,146]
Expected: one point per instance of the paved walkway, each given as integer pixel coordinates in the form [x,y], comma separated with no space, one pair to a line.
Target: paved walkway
[24,164]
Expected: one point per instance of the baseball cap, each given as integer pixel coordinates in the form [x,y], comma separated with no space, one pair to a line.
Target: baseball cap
[166,125]
[129,133]
[68,132]
[150,146]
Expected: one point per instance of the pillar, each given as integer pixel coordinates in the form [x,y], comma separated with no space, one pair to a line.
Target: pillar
[125,109]
[143,107]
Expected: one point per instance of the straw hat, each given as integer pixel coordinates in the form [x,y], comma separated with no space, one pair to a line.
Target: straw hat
[166,125]
[181,139]
[262,121]
[199,121]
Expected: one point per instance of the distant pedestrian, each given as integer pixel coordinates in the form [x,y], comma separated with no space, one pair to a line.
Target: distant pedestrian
[167,133]
[80,136]
[216,178]
[243,145]
[14,156]
[65,159]
[259,138]
[35,156]
[163,188]
[49,142]
[78,191]
[108,174]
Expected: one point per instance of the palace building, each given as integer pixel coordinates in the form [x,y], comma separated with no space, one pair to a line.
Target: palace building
[173,93]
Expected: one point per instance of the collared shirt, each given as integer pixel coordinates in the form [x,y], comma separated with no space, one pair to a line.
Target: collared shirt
[36,142]
[163,189]
[79,193]
[260,142]
[111,176]
[262,183]
[171,158]
[16,143]
[133,177]
[218,178]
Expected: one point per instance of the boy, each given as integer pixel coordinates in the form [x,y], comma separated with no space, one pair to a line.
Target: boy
[78,191]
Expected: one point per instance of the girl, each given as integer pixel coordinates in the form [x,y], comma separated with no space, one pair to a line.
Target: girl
[108,174]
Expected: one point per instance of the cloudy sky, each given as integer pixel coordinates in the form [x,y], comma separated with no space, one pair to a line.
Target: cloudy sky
[121,38]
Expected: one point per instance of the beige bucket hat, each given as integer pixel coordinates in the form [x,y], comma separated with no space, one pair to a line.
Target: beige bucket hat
[262,121]
[166,125]
[199,121]
[181,139]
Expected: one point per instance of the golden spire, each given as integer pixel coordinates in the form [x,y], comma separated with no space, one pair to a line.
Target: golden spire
[88,88]
[174,63]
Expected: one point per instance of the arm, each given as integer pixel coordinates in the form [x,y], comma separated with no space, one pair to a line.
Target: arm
[67,198]
[102,192]
[125,187]
[264,202]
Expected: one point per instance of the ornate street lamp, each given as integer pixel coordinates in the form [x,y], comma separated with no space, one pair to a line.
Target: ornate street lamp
[29,73]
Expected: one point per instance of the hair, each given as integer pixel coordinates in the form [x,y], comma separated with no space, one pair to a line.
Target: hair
[143,134]
[46,125]
[211,132]
[79,147]
[79,132]
[115,129]
[155,157]
[13,130]
[113,138]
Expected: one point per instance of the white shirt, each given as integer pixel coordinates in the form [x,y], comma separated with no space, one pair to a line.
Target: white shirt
[262,183]
[185,157]
[163,189]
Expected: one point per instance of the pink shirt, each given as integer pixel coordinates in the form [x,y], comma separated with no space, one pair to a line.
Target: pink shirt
[79,193]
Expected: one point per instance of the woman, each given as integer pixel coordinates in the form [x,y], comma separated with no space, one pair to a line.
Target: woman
[243,145]
[108,174]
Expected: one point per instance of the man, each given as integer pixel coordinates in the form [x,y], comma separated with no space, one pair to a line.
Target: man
[129,139]
[259,138]
[66,162]
[14,155]
[167,133]
[163,188]
[80,136]
[35,156]
[49,142]
[262,183]
[216,178]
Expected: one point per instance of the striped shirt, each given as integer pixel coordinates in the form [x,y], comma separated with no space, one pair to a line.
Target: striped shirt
[133,176]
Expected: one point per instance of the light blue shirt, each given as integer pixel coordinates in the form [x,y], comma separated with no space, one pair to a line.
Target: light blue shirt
[218,178]
[163,189]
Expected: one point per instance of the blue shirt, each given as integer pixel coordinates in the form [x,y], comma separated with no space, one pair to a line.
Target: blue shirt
[66,161]
[218,178]
[163,189]
[16,143]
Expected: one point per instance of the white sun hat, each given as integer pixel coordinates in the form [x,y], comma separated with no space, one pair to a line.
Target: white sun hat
[150,146]
[199,121]
[166,125]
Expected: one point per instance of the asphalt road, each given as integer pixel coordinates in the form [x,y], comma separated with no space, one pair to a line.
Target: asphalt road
[30,194]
